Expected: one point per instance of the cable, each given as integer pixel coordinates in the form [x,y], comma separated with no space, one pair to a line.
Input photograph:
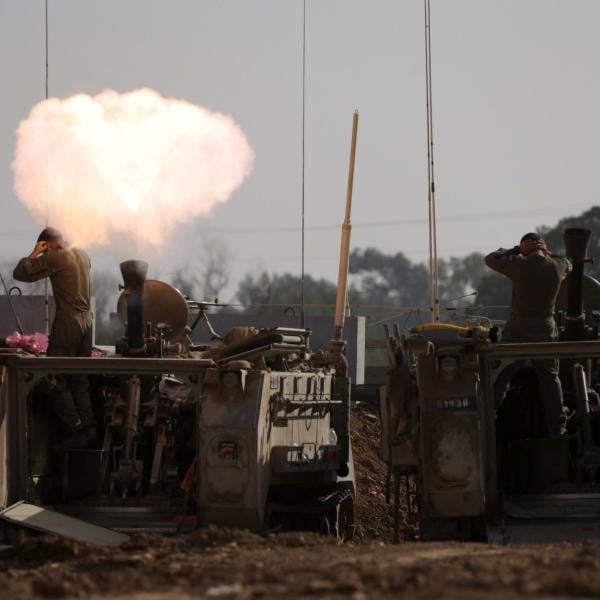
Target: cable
[389,312]
[367,224]
[405,323]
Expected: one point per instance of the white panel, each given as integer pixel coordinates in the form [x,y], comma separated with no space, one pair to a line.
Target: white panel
[48,521]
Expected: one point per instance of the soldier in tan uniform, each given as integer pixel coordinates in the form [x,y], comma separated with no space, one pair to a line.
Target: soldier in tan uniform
[69,271]
[536,276]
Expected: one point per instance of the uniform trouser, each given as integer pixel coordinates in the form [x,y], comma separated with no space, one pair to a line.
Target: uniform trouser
[549,388]
[70,397]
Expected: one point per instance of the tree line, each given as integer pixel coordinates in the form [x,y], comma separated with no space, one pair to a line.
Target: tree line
[392,280]
[379,283]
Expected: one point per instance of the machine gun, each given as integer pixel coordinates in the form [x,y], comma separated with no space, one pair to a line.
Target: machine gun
[202,308]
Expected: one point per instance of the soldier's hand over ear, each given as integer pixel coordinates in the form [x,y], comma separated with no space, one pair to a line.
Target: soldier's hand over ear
[528,246]
[541,244]
[40,248]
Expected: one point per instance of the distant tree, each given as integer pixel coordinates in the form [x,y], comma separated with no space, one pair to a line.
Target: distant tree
[392,280]
[186,280]
[207,281]
[493,297]
[459,277]
[589,219]
[462,276]
[215,270]
[388,279]
[264,292]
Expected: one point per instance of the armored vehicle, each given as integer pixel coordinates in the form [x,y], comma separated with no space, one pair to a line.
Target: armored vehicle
[251,431]
[471,465]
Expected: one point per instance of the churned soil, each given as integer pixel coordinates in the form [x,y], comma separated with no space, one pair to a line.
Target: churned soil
[374,517]
[230,564]
[220,563]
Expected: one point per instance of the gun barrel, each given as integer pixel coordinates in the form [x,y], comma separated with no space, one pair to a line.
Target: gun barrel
[576,241]
[134,275]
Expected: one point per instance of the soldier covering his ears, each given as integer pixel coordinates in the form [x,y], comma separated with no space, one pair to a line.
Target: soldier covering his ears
[536,277]
[69,271]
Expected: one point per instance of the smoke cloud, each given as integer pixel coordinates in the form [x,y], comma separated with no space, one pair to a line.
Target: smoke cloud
[135,163]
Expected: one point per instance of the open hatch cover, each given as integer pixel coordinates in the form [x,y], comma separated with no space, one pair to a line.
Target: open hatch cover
[41,519]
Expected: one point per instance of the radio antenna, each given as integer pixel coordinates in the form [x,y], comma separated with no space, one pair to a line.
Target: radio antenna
[11,306]
[46,305]
[302,320]
[434,296]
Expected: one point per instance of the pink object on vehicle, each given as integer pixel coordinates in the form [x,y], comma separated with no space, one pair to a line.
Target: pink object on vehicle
[36,342]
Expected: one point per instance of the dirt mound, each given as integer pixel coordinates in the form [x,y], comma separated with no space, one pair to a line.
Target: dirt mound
[213,536]
[374,518]
[38,550]
[299,539]
[296,566]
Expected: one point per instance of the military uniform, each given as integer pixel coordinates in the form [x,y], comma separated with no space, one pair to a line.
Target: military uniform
[71,334]
[536,282]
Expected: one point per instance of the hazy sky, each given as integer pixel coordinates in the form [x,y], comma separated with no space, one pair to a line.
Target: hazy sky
[516,95]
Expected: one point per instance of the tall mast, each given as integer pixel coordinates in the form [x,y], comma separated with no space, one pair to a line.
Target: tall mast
[434,296]
[46,305]
[342,286]
[302,316]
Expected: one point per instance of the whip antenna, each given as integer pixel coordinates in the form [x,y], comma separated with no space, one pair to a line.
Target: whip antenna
[12,307]
[434,296]
[46,306]
[46,44]
[303,156]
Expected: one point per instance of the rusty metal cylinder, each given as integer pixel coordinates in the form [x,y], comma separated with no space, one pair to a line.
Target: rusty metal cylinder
[576,241]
